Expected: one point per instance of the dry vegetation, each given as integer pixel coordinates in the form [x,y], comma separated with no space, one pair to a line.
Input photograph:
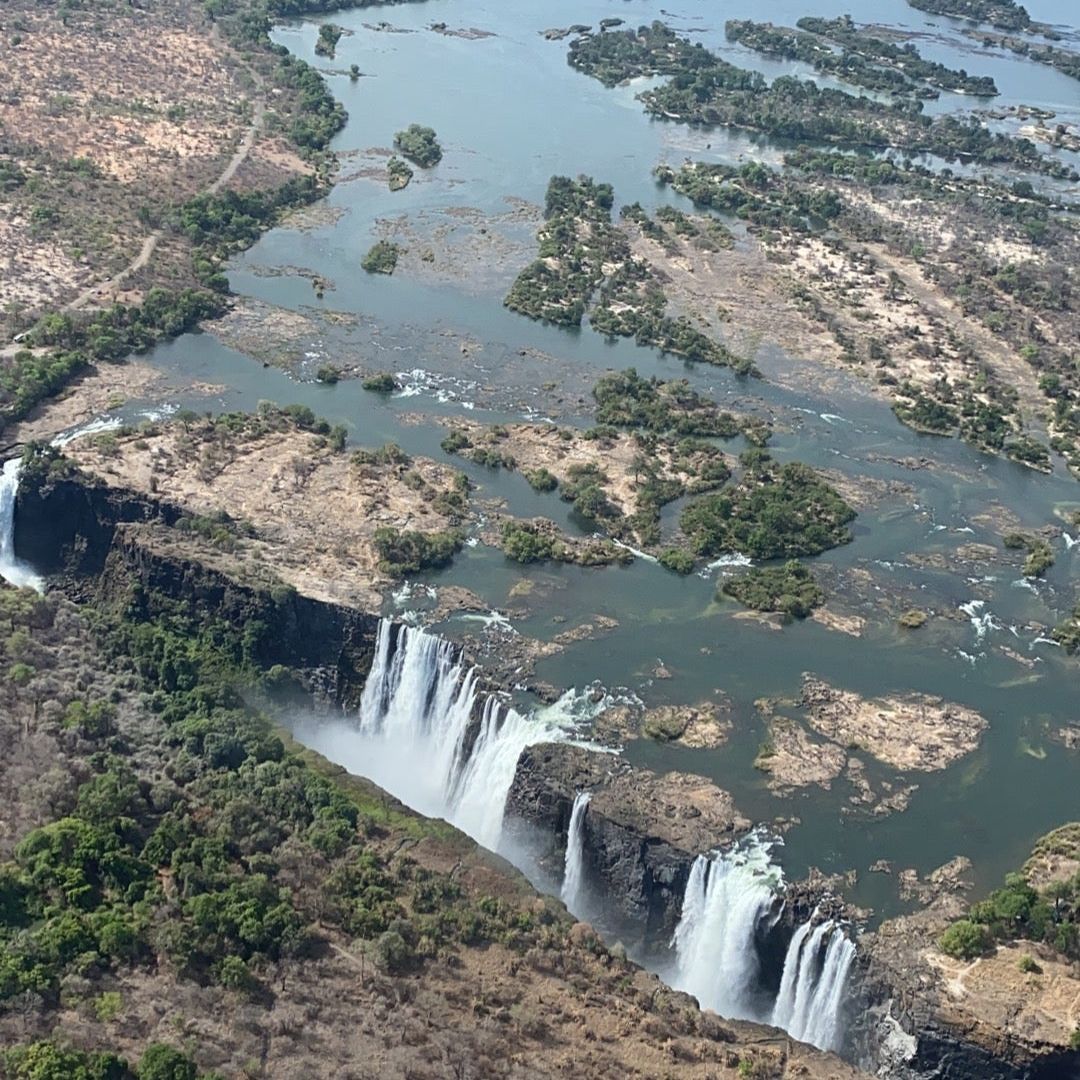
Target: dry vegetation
[285,484]
[112,115]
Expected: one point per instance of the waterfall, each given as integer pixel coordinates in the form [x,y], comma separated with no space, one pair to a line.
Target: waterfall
[812,986]
[12,570]
[413,734]
[574,864]
[726,898]
[731,901]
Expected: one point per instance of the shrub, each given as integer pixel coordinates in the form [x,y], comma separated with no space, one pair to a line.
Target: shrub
[420,145]
[409,552]
[912,619]
[161,1062]
[965,940]
[393,953]
[381,258]
[541,479]
[676,560]
[789,589]
[382,382]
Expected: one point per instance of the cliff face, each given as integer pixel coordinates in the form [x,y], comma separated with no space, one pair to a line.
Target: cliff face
[925,1015]
[641,833]
[103,543]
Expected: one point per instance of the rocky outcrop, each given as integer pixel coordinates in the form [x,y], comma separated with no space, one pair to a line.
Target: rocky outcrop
[925,1015]
[641,833]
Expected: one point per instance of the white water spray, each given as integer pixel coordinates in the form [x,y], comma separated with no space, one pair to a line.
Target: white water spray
[730,901]
[726,897]
[810,1001]
[13,570]
[416,735]
[574,861]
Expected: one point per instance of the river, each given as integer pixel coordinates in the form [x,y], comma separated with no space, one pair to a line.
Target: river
[510,113]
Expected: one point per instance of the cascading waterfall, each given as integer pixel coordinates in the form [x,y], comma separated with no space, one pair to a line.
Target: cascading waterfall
[574,864]
[12,570]
[730,901]
[726,898]
[414,728]
[810,1002]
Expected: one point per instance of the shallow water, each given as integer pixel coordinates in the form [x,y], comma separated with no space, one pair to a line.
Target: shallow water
[509,113]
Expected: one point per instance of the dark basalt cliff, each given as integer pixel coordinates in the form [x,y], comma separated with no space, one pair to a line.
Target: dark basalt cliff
[109,546]
[642,832]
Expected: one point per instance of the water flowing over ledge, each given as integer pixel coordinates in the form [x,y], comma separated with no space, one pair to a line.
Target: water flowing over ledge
[574,864]
[428,733]
[430,736]
[732,903]
[13,570]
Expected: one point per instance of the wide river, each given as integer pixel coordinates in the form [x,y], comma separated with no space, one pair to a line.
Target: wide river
[510,113]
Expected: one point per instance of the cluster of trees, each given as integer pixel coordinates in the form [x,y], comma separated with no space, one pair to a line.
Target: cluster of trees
[403,552]
[905,57]
[179,841]
[625,400]
[584,257]
[704,89]
[789,589]
[381,258]
[1050,915]
[420,145]
[48,1060]
[755,193]
[848,65]
[1040,555]
[227,221]
[1006,14]
[773,511]
[398,173]
[329,36]
[75,341]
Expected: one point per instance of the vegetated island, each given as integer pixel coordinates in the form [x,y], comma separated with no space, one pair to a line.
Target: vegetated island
[420,145]
[866,59]
[586,265]
[1004,14]
[703,89]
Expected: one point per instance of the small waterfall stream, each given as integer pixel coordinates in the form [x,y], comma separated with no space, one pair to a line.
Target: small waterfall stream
[13,570]
[574,864]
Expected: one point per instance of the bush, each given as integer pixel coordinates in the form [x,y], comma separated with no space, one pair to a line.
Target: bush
[525,542]
[393,953]
[913,619]
[420,145]
[161,1062]
[381,258]
[676,560]
[382,382]
[965,940]
[541,479]
[408,552]
[789,589]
